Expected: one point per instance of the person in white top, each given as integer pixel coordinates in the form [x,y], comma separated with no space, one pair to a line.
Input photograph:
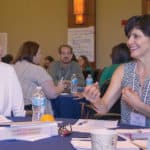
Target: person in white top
[11,98]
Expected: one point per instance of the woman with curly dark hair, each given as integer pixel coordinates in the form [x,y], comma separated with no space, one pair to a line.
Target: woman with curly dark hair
[132,79]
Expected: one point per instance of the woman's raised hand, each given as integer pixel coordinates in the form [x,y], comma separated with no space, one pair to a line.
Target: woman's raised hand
[92,93]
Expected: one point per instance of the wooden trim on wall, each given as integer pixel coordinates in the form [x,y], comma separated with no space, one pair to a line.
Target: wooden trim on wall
[145,7]
[89,15]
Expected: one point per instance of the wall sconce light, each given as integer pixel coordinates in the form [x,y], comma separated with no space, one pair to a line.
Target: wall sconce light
[79,10]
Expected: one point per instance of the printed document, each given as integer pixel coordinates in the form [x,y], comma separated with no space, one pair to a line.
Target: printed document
[86,125]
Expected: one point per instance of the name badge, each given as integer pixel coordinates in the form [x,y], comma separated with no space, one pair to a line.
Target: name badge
[137,119]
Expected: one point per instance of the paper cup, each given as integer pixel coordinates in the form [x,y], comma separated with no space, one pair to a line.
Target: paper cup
[104,139]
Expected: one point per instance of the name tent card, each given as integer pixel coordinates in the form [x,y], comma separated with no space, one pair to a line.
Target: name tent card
[31,131]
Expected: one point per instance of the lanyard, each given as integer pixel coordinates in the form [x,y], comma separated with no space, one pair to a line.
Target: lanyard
[140,90]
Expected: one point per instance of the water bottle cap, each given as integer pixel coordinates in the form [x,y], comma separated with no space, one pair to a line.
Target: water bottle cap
[89,80]
[89,75]
[47,117]
[39,87]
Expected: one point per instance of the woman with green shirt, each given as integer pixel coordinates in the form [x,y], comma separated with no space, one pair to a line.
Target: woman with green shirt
[120,54]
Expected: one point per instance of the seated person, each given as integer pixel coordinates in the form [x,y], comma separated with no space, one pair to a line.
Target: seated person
[32,75]
[120,54]
[47,61]
[11,98]
[85,65]
[74,58]
[8,58]
[130,80]
[65,67]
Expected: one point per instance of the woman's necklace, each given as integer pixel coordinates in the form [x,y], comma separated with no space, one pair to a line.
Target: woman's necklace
[141,83]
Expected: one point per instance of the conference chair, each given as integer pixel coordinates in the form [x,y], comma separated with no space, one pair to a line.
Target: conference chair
[113,114]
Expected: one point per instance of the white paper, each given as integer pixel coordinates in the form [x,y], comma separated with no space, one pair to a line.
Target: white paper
[82,41]
[34,130]
[31,138]
[86,145]
[141,143]
[3,119]
[86,125]
[126,145]
[81,144]
[29,131]
[133,134]
[5,133]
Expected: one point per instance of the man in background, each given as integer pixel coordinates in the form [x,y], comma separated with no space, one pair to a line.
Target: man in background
[65,67]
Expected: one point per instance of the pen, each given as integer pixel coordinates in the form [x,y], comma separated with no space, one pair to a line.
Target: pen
[83,122]
[124,137]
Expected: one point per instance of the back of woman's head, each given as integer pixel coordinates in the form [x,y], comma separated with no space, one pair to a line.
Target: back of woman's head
[138,22]
[74,58]
[8,58]
[120,54]
[27,51]
[49,58]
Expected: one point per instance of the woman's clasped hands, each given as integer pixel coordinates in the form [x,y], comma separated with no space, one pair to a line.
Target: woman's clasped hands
[131,97]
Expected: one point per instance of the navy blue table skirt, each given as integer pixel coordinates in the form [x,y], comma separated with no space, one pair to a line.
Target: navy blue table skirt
[67,106]
[51,143]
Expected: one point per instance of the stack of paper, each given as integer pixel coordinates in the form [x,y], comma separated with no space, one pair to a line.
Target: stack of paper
[29,131]
[81,145]
[32,131]
[4,120]
[141,143]
[134,134]
[86,145]
[5,133]
[126,145]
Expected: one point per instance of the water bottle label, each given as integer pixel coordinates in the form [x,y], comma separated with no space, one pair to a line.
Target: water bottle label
[74,81]
[38,101]
[89,81]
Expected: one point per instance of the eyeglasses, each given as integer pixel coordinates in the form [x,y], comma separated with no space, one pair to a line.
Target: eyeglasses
[65,53]
[65,130]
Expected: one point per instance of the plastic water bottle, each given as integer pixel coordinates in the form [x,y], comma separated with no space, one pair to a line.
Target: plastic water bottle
[38,103]
[89,80]
[74,83]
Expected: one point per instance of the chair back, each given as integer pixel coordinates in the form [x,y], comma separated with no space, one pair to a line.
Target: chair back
[113,114]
